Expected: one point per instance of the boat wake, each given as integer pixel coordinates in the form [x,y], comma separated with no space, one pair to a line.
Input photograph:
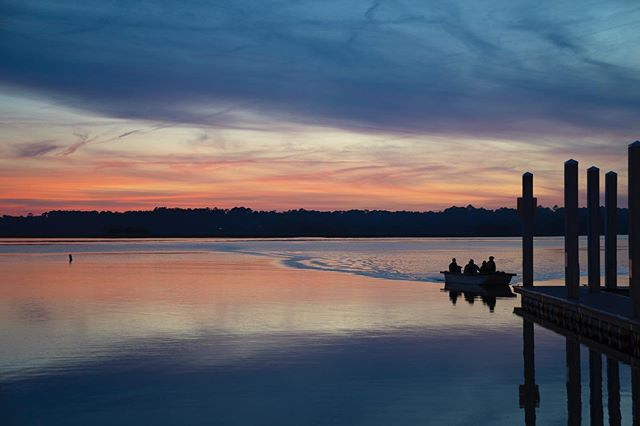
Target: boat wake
[364,267]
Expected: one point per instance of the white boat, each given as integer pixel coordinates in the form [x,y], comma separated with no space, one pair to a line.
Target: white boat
[494,279]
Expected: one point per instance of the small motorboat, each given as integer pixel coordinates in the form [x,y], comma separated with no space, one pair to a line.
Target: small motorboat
[494,279]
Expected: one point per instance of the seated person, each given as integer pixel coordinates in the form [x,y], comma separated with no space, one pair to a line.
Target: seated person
[491,266]
[484,267]
[471,268]
[454,268]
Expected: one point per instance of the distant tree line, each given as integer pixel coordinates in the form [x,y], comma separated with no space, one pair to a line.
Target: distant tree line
[244,222]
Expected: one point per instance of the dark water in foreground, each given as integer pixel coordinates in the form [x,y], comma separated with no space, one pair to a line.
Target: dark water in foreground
[272,332]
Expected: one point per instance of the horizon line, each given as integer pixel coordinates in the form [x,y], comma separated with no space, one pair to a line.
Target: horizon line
[468,206]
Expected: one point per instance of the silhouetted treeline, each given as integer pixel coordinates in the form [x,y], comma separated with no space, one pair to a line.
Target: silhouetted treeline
[244,222]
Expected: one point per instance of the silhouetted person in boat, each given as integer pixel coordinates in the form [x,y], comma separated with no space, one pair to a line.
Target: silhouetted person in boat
[454,267]
[483,267]
[70,258]
[491,266]
[471,268]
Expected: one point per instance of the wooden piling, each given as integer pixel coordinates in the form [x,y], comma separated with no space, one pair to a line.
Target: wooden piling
[611,231]
[593,234]
[572,266]
[634,226]
[526,209]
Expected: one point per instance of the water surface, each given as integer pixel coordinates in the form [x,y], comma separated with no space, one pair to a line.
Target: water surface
[302,331]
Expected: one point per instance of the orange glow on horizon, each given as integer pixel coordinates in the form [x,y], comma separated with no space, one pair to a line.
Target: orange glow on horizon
[279,168]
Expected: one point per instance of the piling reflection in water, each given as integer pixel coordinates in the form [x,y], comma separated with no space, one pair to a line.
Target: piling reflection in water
[529,394]
[574,397]
[635,394]
[595,387]
[613,392]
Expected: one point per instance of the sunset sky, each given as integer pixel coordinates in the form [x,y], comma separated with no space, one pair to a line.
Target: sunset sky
[420,105]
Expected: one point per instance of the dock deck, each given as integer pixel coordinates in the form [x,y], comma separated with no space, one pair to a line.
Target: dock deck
[604,316]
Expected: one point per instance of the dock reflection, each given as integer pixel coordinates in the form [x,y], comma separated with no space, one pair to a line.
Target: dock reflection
[529,394]
[595,387]
[488,294]
[574,397]
[613,392]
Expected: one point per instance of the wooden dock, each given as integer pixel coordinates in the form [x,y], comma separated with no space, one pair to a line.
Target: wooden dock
[609,315]
[604,317]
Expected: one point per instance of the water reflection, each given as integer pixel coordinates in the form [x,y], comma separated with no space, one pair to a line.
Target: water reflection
[469,292]
[529,392]
[595,387]
[613,392]
[635,393]
[418,259]
[530,395]
[574,397]
[239,339]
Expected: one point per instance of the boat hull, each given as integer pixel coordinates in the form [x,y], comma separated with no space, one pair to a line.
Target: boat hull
[497,279]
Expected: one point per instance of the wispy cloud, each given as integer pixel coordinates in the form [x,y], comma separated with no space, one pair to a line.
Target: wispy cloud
[82,140]
[36,149]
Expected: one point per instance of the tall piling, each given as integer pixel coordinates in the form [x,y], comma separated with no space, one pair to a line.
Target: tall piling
[611,230]
[593,234]
[634,226]
[572,266]
[526,209]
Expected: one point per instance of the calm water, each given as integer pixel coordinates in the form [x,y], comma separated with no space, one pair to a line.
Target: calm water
[321,332]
